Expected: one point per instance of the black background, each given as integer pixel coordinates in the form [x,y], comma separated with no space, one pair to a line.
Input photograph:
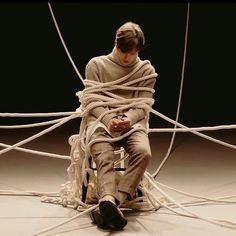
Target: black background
[37,76]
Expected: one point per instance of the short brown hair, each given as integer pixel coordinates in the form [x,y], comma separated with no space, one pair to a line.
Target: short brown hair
[130,36]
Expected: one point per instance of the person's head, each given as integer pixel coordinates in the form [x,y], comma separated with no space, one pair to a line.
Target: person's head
[129,42]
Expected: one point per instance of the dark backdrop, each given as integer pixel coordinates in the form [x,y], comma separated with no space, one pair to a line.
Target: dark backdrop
[37,76]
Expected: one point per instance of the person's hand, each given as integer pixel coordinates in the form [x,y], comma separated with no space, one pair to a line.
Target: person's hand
[119,124]
[126,122]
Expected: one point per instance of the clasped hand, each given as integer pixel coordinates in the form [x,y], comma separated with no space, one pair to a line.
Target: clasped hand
[119,124]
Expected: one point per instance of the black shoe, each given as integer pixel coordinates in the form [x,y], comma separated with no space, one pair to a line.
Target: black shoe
[97,219]
[112,217]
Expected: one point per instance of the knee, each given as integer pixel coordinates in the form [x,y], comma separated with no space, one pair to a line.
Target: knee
[143,152]
[101,148]
[102,152]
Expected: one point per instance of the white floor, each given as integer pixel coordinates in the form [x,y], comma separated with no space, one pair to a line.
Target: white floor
[196,166]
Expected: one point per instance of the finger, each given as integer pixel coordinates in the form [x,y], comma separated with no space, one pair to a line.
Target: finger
[124,122]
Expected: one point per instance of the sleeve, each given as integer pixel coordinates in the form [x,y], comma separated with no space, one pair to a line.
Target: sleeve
[137,114]
[91,73]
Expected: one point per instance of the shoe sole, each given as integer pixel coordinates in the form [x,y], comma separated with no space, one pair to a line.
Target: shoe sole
[112,216]
[98,220]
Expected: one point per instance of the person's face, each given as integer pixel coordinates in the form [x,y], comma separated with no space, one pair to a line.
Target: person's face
[127,58]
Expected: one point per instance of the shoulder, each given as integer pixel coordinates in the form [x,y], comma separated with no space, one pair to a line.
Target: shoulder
[147,67]
[95,61]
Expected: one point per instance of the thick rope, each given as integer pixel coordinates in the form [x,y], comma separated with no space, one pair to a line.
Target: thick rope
[63,43]
[216,200]
[180,95]
[37,152]
[66,221]
[229,224]
[38,134]
[30,125]
[187,129]
[28,193]
[194,132]
[36,114]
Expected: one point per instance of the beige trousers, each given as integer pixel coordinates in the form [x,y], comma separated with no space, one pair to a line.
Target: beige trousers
[137,146]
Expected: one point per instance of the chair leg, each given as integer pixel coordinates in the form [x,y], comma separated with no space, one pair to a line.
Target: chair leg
[84,190]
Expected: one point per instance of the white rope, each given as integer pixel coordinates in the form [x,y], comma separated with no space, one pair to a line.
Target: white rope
[218,200]
[203,202]
[30,125]
[38,134]
[66,157]
[63,43]
[151,130]
[187,129]
[193,131]
[180,95]
[36,114]
[66,221]
[27,193]
[215,221]
[231,225]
